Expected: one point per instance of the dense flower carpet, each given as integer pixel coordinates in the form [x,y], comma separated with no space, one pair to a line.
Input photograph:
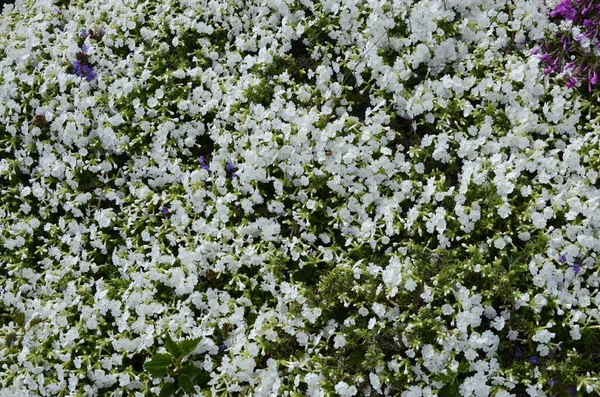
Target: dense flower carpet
[299,198]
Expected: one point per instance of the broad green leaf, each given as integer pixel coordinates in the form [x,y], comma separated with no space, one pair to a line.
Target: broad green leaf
[187,346]
[167,390]
[186,384]
[202,378]
[251,318]
[463,367]
[444,378]
[157,367]
[449,390]
[171,346]
[190,370]
[35,321]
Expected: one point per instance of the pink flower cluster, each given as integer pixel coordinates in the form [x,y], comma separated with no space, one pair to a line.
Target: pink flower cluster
[557,52]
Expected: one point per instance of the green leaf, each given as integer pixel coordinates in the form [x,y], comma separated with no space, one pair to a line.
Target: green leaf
[186,384]
[187,346]
[190,370]
[167,390]
[197,375]
[202,378]
[463,368]
[35,321]
[444,378]
[251,318]
[11,339]
[20,319]
[171,346]
[449,390]
[157,367]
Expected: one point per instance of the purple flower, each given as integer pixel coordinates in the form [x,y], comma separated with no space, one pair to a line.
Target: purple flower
[83,33]
[571,82]
[84,48]
[588,23]
[565,10]
[562,258]
[203,164]
[164,210]
[231,168]
[83,70]
[576,267]
[533,360]
[77,68]
[592,79]
[573,391]
[587,8]
[91,75]
[222,347]
[551,382]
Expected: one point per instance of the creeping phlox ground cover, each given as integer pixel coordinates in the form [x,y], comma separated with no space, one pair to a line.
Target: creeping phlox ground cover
[302,198]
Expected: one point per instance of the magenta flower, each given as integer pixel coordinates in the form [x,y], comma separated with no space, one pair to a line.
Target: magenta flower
[565,10]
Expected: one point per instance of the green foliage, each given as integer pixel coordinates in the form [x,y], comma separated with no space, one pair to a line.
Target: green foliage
[187,376]
[452,381]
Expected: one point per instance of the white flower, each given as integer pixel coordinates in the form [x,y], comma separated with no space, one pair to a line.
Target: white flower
[375,382]
[410,284]
[574,332]
[470,354]
[311,314]
[499,243]
[503,393]
[498,323]
[447,309]
[392,275]
[152,102]
[504,211]
[413,391]
[543,350]
[372,323]
[312,381]
[339,341]
[343,389]
[543,336]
